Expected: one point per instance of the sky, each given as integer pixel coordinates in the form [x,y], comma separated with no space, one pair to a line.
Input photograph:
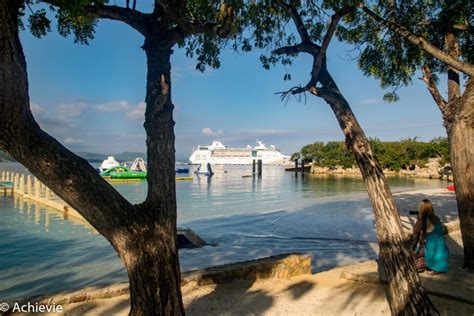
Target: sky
[91,98]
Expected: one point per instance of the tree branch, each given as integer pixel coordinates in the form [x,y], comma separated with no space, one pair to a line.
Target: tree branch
[321,54]
[292,91]
[296,49]
[452,48]
[433,89]
[318,52]
[291,9]
[137,20]
[457,26]
[463,27]
[455,63]
[68,175]
[223,29]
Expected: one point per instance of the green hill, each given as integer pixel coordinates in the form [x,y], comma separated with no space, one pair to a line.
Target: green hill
[123,156]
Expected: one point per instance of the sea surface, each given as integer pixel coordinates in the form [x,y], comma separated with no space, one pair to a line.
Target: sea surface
[243,218]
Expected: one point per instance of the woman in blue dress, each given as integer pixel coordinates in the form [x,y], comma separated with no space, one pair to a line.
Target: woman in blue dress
[428,231]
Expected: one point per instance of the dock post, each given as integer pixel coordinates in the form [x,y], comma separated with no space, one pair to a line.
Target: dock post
[16,183]
[3,175]
[37,186]
[253,167]
[22,185]
[29,188]
[259,167]
[47,195]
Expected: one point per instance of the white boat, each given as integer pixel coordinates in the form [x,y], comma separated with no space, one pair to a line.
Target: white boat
[218,154]
[108,163]
[204,169]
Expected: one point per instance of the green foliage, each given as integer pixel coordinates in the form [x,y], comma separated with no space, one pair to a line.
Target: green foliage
[391,97]
[391,58]
[76,18]
[39,24]
[72,19]
[206,47]
[268,26]
[391,155]
[81,27]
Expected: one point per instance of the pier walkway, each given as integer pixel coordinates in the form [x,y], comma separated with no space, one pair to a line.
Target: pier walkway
[30,188]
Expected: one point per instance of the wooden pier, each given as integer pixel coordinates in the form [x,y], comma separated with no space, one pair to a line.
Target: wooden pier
[6,186]
[30,189]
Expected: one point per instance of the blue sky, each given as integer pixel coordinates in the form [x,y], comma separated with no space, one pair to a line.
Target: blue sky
[91,97]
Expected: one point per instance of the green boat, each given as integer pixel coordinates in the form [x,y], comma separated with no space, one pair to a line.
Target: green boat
[122,172]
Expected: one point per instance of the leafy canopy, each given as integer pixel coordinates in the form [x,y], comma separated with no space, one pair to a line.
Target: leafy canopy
[77,18]
[268,26]
[390,57]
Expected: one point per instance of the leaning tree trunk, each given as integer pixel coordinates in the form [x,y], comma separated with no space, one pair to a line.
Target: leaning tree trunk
[406,295]
[459,122]
[144,235]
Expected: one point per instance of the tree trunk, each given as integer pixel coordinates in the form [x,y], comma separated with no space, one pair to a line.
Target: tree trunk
[406,296]
[458,115]
[153,267]
[151,259]
[143,235]
[459,123]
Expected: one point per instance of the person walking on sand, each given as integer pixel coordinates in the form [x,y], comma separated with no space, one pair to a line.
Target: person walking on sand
[428,233]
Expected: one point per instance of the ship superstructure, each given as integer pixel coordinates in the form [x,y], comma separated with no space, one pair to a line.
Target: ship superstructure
[218,154]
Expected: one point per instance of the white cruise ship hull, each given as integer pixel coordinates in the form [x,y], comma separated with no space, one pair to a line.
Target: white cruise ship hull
[218,154]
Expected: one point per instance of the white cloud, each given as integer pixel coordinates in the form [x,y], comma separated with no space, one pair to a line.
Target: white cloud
[371,101]
[70,110]
[210,132]
[36,109]
[70,141]
[113,106]
[137,112]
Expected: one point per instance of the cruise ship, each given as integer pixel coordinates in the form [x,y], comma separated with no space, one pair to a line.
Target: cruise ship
[218,154]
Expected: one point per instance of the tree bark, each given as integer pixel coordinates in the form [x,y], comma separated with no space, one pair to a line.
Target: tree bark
[153,267]
[406,295]
[459,123]
[151,259]
[143,235]
[458,118]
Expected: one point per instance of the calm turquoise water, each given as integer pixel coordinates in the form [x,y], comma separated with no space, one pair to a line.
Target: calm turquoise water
[244,218]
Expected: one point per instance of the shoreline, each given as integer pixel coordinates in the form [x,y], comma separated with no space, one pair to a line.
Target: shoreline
[344,290]
[445,207]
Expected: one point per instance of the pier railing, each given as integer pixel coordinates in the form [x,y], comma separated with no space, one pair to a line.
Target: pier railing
[29,187]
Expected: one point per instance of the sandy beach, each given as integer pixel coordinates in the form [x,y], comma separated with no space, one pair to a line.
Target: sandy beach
[349,290]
